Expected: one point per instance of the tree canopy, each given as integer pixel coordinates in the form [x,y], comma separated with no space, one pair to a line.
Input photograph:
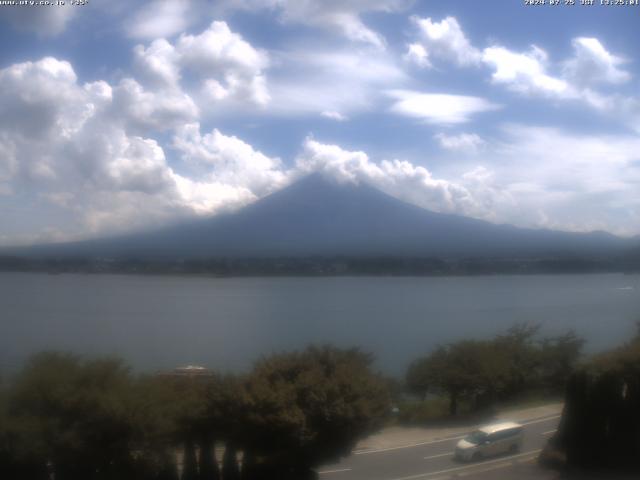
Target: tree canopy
[92,419]
[482,371]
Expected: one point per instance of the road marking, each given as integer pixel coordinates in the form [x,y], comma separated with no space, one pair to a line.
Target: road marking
[458,469]
[338,470]
[432,442]
[549,432]
[448,454]
[488,469]
[546,419]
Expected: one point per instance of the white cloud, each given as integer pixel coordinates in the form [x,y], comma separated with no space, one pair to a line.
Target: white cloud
[82,149]
[343,17]
[229,67]
[44,20]
[528,73]
[531,72]
[592,63]
[463,142]
[344,81]
[474,196]
[228,160]
[158,19]
[567,180]
[218,49]
[152,110]
[438,108]
[333,115]
[446,40]
[417,55]
[84,160]
[524,72]
[158,64]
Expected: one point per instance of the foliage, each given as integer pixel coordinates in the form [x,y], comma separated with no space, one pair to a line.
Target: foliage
[312,406]
[425,410]
[482,372]
[75,415]
[600,425]
[93,420]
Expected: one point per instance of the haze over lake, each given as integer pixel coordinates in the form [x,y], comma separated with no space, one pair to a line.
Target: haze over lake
[157,322]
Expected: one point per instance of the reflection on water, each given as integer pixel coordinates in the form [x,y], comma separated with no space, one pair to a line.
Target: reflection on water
[160,322]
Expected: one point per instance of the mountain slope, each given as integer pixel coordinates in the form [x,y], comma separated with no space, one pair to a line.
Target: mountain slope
[316,216]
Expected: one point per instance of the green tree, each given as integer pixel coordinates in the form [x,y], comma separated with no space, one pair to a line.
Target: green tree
[558,358]
[466,370]
[308,407]
[522,353]
[75,415]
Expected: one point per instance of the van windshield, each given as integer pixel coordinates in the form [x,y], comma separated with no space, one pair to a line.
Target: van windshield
[476,437]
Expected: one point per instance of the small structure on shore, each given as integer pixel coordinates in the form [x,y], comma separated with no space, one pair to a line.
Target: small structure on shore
[188,371]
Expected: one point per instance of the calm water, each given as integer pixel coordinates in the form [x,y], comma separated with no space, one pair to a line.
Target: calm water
[161,322]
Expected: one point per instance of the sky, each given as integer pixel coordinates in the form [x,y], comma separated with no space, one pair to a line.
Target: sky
[117,116]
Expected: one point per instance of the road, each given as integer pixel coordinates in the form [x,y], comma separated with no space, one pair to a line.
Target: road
[434,460]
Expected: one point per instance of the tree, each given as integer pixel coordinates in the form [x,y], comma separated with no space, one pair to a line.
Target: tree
[600,424]
[305,408]
[506,366]
[208,464]
[75,415]
[558,358]
[468,369]
[521,351]
[230,470]
[420,376]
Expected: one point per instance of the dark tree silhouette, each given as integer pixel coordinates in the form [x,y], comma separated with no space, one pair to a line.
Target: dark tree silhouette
[600,425]
[230,469]
[189,461]
[208,463]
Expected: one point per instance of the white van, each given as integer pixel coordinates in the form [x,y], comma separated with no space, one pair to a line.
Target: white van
[490,440]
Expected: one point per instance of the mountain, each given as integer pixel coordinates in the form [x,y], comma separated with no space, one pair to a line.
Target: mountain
[319,217]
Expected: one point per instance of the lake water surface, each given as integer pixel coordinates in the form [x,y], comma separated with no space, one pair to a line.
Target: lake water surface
[157,322]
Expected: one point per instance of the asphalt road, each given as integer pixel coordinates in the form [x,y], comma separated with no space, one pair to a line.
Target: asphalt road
[434,460]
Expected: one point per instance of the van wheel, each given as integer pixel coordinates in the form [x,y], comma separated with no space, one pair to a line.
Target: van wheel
[476,457]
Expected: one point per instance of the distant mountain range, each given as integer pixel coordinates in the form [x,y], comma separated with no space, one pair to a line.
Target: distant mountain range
[320,217]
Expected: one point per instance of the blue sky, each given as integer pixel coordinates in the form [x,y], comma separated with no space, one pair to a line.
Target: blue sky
[117,116]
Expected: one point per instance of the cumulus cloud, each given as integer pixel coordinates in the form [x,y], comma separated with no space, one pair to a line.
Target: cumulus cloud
[524,72]
[82,148]
[45,21]
[463,142]
[229,160]
[533,177]
[109,178]
[438,108]
[474,196]
[152,110]
[531,72]
[228,66]
[418,55]
[592,63]
[158,64]
[445,40]
[86,159]
[333,15]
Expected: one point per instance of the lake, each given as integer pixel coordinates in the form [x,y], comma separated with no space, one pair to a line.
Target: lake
[159,322]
